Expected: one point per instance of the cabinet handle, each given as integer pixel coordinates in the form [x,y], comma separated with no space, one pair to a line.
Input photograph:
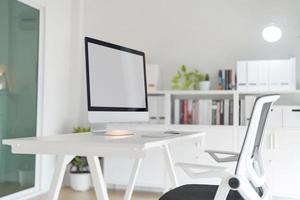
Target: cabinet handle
[271,142]
[274,141]
[295,110]
[284,83]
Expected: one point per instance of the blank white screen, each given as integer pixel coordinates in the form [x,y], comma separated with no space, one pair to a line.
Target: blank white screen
[116,78]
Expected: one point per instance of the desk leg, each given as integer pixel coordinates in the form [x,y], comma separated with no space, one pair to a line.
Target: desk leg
[62,162]
[133,176]
[98,179]
[170,166]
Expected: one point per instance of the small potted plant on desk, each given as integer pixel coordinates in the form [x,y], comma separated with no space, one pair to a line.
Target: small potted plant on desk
[80,178]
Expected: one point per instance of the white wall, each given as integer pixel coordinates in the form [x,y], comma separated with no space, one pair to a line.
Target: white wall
[206,34]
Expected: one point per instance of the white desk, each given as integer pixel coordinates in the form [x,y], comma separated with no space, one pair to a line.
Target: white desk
[95,145]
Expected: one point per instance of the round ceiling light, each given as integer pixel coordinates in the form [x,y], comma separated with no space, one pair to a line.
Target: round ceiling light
[272,34]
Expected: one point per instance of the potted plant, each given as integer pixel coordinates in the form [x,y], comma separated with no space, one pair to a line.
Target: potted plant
[186,79]
[198,77]
[205,84]
[26,175]
[80,178]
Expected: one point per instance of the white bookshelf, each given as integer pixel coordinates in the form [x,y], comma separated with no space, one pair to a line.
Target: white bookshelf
[236,96]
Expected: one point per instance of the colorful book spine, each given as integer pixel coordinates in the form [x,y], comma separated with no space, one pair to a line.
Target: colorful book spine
[203,111]
[195,111]
[230,80]
[176,114]
[186,111]
[226,79]
[222,116]
[230,112]
[181,111]
[220,80]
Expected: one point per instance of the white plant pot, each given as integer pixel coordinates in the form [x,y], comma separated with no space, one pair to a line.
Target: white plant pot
[204,85]
[80,182]
[26,177]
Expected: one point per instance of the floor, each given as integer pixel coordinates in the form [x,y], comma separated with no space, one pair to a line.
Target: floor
[10,187]
[69,194]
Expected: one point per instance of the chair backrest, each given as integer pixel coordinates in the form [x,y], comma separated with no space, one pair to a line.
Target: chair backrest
[250,163]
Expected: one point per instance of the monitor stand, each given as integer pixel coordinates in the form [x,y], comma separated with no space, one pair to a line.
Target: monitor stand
[101,128]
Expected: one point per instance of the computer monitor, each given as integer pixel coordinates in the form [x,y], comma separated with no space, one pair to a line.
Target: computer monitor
[116,83]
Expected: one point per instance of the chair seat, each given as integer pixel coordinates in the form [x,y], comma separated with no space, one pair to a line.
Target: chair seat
[197,192]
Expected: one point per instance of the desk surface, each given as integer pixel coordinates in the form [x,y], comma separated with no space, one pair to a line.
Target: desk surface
[96,144]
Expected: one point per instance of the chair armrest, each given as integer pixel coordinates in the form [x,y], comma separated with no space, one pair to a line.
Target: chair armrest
[230,156]
[203,171]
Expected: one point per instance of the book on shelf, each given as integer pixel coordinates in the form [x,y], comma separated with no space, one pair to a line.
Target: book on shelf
[242,112]
[176,113]
[195,111]
[226,79]
[186,111]
[231,112]
[214,112]
[226,111]
[203,111]
[218,113]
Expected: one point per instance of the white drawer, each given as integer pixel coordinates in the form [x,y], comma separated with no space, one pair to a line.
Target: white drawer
[291,116]
[275,119]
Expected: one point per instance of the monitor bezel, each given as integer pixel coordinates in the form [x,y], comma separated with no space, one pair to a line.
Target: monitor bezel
[121,48]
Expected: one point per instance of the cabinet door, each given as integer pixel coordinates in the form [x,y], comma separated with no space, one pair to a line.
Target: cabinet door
[284,171]
[253,75]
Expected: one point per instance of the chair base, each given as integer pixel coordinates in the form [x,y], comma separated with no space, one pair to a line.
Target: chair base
[197,192]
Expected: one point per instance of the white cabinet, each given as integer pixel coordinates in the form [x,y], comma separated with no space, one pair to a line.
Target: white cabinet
[242,79]
[284,169]
[253,75]
[156,109]
[291,116]
[281,155]
[282,162]
[266,75]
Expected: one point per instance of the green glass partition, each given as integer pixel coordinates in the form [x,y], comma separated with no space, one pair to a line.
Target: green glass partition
[19,32]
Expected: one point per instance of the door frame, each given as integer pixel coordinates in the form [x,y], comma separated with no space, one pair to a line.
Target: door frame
[37,189]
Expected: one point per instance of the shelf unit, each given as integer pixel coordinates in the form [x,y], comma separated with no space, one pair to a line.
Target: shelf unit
[236,96]
[237,129]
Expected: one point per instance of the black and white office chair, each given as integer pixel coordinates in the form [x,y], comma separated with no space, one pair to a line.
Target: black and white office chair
[248,180]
